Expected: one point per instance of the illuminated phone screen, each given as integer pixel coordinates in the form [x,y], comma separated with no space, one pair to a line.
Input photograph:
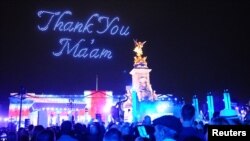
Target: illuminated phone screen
[142,131]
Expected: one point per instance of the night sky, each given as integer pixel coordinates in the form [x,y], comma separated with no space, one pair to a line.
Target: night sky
[192,47]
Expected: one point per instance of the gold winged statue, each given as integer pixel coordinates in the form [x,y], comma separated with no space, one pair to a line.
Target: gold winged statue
[139,60]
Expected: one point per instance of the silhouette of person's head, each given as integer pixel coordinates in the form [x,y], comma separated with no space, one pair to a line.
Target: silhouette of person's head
[147,120]
[66,127]
[46,135]
[187,112]
[113,134]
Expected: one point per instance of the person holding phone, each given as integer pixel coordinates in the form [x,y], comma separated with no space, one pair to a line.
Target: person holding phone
[146,132]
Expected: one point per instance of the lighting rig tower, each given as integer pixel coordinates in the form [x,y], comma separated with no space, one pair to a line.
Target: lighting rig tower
[22,92]
[71,106]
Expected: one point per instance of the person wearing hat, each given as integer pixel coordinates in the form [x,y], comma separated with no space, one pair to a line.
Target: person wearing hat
[167,128]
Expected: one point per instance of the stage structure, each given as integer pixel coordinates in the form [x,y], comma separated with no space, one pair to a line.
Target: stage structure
[50,110]
[142,99]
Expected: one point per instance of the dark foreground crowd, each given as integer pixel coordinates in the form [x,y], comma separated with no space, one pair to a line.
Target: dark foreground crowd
[165,128]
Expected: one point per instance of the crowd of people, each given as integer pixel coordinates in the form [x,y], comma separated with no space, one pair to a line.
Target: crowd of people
[164,128]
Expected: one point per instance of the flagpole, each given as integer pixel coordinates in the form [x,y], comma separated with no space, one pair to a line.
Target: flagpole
[96,85]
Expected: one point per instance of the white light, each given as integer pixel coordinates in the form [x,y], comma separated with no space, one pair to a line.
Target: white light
[242,111]
[109,118]
[58,112]
[106,109]
[108,105]
[5,119]
[162,107]
[88,118]
[86,93]
[88,103]
[110,93]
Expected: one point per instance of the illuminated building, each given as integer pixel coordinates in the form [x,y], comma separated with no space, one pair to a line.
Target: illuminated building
[51,110]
